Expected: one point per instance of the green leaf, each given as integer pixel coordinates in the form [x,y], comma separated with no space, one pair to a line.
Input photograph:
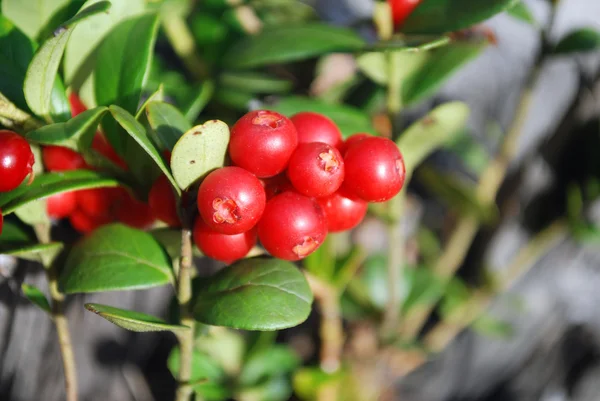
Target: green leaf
[276,360]
[138,133]
[34,213]
[521,12]
[42,72]
[133,321]
[441,16]
[374,65]
[41,253]
[203,368]
[277,388]
[170,239]
[77,133]
[282,44]
[255,294]
[53,183]
[425,288]
[436,68]
[431,132]
[116,257]
[168,122]
[31,17]
[308,381]
[12,234]
[122,69]
[194,106]
[581,40]
[255,82]
[199,151]
[36,297]
[350,120]
[16,51]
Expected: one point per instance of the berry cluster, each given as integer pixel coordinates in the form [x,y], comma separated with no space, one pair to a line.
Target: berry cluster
[292,181]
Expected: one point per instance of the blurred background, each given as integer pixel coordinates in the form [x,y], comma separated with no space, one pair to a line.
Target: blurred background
[542,337]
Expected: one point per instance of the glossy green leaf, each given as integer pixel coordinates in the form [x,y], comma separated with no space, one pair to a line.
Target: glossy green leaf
[31,17]
[138,133]
[431,132]
[116,257]
[36,297]
[122,69]
[52,183]
[60,109]
[276,360]
[350,120]
[168,123]
[581,40]
[441,16]
[41,253]
[282,44]
[521,12]
[255,82]
[42,72]
[199,151]
[133,321]
[255,294]
[438,66]
[206,371]
[77,133]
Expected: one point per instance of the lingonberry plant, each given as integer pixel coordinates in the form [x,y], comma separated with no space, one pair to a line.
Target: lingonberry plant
[210,140]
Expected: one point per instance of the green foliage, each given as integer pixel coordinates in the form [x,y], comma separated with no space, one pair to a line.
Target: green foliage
[36,297]
[41,253]
[521,12]
[581,40]
[255,294]
[133,321]
[168,123]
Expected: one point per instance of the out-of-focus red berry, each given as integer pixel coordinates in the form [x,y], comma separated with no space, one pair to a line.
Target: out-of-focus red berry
[77,106]
[86,224]
[61,205]
[133,212]
[59,158]
[101,145]
[163,202]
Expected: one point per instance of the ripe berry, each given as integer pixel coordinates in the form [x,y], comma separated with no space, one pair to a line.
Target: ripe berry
[61,205]
[374,170]
[132,212]
[316,169]
[58,158]
[96,202]
[343,210]
[223,247]
[401,9]
[86,224]
[100,144]
[351,141]
[277,185]
[315,127]
[231,200]
[292,227]
[77,106]
[16,160]
[262,142]
[163,202]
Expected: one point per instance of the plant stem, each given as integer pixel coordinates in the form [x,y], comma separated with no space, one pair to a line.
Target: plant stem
[184,296]
[57,300]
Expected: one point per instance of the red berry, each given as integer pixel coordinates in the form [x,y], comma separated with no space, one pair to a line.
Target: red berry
[163,202]
[223,247]
[96,202]
[292,227]
[16,160]
[231,200]
[351,141]
[77,106]
[100,144]
[86,224]
[61,205]
[315,127]
[401,9]
[133,212]
[277,185]
[58,158]
[316,169]
[343,210]
[262,142]
[374,170]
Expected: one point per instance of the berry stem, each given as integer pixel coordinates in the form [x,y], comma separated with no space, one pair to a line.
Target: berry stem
[184,296]
[60,320]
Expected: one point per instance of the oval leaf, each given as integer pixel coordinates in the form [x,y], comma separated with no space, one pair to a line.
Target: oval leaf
[53,183]
[255,294]
[199,151]
[80,128]
[168,122]
[582,40]
[116,257]
[441,16]
[36,297]
[207,376]
[133,321]
[41,253]
[350,120]
[138,133]
[290,43]
[431,132]
[273,361]
[32,17]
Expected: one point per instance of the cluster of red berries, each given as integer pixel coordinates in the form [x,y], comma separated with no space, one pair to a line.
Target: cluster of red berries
[292,181]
